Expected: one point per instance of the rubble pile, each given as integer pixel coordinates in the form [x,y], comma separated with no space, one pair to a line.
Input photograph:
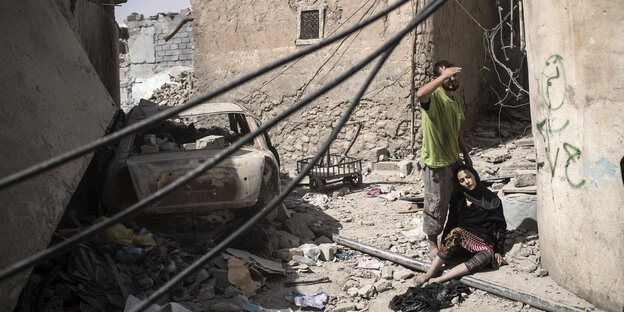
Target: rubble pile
[176,92]
[362,277]
[118,269]
[179,134]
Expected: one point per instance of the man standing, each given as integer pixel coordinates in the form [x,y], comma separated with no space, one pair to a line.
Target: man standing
[442,141]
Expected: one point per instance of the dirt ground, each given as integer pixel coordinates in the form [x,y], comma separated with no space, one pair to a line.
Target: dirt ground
[377,222]
[101,275]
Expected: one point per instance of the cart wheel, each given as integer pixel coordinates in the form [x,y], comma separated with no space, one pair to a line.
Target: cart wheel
[317,184]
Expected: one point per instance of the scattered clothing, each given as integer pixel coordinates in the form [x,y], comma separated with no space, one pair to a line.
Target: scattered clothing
[375,191]
[430,298]
[303,299]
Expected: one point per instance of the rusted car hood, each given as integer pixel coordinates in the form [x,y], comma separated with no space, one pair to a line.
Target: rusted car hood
[234,183]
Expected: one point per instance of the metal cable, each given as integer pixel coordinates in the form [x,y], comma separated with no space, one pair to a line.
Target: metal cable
[197,265]
[387,50]
[83,150]
[67,244]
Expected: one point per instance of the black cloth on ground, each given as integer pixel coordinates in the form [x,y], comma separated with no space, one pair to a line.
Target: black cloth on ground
[430,298]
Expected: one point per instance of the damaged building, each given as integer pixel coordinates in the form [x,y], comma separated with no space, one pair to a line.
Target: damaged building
[264,31]
[153,50]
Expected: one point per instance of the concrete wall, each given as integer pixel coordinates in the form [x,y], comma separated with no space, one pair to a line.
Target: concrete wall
[98,32]
[237,37]
[150,58]
[458,38]
[52,100]
[575,57]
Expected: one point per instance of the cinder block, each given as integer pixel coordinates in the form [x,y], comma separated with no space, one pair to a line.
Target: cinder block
[211,141]
[525,178]
[375,153]
[405,166]
[189,146]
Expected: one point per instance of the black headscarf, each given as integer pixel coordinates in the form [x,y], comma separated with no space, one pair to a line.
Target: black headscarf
[484,218]
[481,195]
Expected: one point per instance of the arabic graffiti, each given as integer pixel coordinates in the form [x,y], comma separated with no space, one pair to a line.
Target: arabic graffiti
[553,92]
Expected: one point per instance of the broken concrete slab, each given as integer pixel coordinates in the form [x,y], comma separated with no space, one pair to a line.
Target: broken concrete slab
[496,156]
[210,142]
[520,210]
[525,178]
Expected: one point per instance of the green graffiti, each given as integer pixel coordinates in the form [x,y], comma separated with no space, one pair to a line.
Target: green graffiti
[540,128]
[572,158]
[556,78]
[565,125]
[552,165]
[555,61]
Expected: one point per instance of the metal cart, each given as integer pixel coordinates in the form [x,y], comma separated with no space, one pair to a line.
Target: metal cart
[334,168]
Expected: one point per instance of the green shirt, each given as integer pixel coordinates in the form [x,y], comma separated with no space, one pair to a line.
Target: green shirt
[440,124]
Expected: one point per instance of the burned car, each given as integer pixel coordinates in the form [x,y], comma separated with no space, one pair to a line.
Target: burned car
[160,154]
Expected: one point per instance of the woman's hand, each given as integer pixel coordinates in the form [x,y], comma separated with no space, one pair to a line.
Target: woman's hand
[499,258]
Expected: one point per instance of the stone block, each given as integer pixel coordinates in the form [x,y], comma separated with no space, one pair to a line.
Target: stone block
[189,146]
[383,285]
[149,139]
[288,253]
[310,251]
[171,57]
[387,272]
[322,240]
[497,156]
[375,153]
[402,274]
[328,251]
[210,142]
[387,166]
[287,240]
[201,276]
[344,307]
[367,291]
[405,167]
[525,178]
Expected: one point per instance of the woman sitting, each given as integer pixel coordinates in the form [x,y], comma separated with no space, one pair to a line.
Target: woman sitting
[475,229]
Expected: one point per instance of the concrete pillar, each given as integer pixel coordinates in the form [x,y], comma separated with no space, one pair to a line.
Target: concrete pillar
[576,65]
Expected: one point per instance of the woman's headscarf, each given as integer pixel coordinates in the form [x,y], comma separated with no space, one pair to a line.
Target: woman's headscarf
[480,196]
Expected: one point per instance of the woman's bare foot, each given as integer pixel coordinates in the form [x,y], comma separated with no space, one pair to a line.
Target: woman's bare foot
[421,280]
[433,248]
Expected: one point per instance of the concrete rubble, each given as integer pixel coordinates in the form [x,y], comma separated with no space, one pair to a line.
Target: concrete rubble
[298,251]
